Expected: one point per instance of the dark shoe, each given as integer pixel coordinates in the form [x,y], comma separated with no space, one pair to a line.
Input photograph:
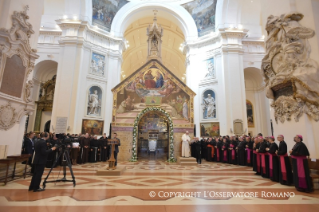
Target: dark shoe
[38,190]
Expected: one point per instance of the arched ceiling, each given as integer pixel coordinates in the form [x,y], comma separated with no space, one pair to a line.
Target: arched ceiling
[45,70]
[253,78]
[135,55]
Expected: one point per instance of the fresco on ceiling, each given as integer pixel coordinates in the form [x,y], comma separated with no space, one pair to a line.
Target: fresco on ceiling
[104,11]
[203,13]
[151,87]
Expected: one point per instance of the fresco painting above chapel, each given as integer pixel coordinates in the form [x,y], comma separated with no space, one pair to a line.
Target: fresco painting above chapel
[154,86]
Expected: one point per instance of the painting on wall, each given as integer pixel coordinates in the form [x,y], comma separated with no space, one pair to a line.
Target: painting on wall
[210,68]
[209,104]
[104,11]
[203,13]
[94,102]
[153,121]
[153,87]
[209,129]
[250,114]
[97,64]
[92,127]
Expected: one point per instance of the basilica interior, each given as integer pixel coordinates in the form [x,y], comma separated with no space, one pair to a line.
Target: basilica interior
[146,77]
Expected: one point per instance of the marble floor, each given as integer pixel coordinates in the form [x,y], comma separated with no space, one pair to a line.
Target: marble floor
[154,185]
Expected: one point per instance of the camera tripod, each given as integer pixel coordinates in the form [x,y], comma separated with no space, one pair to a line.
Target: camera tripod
[64,153]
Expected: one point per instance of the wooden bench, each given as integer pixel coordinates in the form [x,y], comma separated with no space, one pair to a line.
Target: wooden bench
[314,170]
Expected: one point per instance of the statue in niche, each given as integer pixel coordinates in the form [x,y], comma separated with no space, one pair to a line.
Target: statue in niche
[154,43]
[93,105]
[49,95]
[209,107]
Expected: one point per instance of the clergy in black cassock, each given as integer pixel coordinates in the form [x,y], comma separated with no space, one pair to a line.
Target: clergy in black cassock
[256,157]
[85,148]
[249,152]
[241,151]
[263,157]
[104,148]
[198,149]
[204,148]
[300,165]
[218,150]
[273,160]
[285,173]
[94,150]
[232,154]
[225,147]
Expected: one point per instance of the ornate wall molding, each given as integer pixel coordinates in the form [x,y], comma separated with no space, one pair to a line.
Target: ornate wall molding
[291,76]
[8,116]
[15,42]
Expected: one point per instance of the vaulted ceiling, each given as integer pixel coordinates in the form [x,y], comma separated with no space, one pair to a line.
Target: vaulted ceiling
[135,55]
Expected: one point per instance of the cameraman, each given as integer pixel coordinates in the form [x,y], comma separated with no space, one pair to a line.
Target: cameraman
[39,161]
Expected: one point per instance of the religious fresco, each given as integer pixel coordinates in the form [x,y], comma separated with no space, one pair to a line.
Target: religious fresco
[153,121]
[94,101]
[209,104]
[104,11]
[250,114]
[209,129]
[93,127]
[153,85]
[203,13]
[97,64]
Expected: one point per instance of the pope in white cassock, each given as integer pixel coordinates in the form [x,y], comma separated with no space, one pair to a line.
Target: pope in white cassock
[185,145]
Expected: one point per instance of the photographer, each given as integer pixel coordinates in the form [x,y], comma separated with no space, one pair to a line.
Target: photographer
[39,161]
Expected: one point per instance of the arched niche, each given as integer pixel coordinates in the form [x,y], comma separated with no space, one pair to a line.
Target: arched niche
[255,94]
[94,101]
[209,104]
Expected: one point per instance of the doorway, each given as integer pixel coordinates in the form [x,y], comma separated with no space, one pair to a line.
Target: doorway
[47,126]
[153,137]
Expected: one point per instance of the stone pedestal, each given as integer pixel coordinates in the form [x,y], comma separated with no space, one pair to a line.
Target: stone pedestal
[117,172]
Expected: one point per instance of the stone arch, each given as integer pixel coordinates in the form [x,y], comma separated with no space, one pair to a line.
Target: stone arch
[171,133]
[135,10]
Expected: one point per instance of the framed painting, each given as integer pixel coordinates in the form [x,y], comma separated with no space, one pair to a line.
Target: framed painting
[209,129]
[250,114]
[93,127]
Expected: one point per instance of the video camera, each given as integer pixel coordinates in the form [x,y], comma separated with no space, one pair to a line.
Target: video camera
[65,141]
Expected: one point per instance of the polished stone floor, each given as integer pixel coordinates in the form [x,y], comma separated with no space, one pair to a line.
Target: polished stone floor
[154,185]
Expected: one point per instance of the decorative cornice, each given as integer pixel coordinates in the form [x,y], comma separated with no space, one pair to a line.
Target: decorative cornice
[96,78]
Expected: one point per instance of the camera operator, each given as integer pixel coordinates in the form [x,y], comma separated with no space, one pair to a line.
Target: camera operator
[39,161]
[66,142]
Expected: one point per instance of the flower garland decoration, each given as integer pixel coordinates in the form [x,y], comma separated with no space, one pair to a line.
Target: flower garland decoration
[171,159]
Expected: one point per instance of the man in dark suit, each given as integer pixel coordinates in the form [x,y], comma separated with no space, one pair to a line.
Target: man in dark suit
[39,161]
[28,146]
[116,151]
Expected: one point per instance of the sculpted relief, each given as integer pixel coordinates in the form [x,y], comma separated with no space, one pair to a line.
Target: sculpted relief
[291,76]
